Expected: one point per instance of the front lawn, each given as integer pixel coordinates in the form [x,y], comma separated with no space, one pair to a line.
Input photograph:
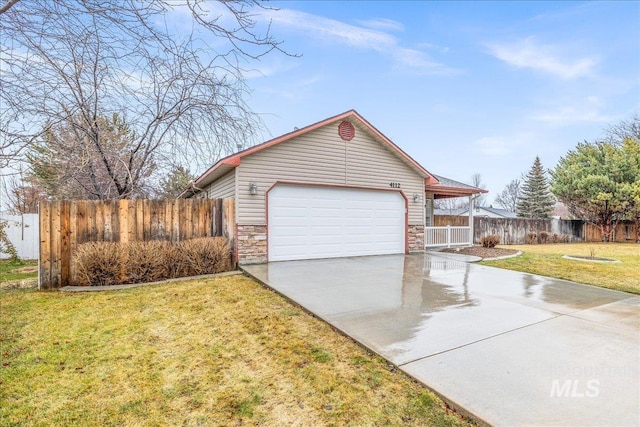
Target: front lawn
[13,271]
[221,351]
[547,260]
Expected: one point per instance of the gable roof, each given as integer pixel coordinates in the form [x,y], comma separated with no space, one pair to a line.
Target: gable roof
[465,211]
[228,163]
[502,212]
[446,187]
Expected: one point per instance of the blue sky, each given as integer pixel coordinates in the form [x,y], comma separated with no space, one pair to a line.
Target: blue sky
[463,87]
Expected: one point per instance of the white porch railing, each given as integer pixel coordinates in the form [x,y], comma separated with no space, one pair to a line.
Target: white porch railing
[447,236]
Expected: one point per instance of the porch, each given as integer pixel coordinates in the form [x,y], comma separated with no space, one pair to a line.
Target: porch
[449,235]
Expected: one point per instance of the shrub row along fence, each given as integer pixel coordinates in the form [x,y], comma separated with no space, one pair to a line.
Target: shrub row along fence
[515,231]
[64,225]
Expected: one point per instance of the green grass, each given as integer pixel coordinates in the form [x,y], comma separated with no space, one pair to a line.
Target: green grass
[17,270]
[547,260]
[221,351]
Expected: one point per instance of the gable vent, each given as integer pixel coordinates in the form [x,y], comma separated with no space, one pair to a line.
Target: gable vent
[346,131]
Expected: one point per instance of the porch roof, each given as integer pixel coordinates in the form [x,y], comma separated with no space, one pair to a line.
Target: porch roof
[447,188]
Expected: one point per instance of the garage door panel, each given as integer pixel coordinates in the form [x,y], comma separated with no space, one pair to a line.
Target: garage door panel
[319,222]
[290,223]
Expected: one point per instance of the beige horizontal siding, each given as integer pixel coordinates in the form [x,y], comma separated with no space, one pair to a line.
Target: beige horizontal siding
[223,187]
[321,157]
[372,164]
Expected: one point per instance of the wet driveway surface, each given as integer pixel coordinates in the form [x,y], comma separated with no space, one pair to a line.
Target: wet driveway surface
[511,348]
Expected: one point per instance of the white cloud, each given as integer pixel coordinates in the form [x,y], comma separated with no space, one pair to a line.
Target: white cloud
[527,53]
[505,144]
[297,89]
[382,24]
[364,38]
[325,27]
[493,146]
[443,49]
[584,111]
[572,115]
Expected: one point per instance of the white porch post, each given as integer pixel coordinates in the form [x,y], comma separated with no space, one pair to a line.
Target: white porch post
[471,220]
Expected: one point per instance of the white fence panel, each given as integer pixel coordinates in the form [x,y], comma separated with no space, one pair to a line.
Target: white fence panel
[447,236]
[23,232]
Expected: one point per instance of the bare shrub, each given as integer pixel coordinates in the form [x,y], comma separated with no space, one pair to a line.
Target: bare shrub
[176,261]
[206,255]
[100,264]
[532,238]
[490,241]
[560,238]
[147,261]
[104,263]
[543,236]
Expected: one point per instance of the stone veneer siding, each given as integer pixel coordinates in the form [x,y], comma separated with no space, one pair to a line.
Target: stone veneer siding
[252,244]
[416,238]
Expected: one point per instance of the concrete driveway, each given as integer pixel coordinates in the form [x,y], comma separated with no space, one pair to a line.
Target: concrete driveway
[510,348]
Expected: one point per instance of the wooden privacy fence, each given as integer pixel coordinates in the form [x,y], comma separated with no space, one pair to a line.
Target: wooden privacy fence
[624,232]
[66,224]
[513,231]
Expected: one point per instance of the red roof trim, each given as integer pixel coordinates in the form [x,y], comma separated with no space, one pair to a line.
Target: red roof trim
[234,159]
[457,190]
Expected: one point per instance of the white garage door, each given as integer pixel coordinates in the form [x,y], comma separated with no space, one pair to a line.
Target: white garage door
[319,222]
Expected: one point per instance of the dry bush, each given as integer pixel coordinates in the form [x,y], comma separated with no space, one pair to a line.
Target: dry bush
[560,238]
[105,263]
[176,262]
[490,241]
[532,238]
[206,255]
[543,236]
[147,261]
[100,263]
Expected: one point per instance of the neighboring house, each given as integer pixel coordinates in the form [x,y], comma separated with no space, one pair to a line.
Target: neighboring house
[335,188]
[480,211]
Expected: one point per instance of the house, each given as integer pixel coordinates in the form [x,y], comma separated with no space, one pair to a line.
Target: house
[335,188]
[479,211]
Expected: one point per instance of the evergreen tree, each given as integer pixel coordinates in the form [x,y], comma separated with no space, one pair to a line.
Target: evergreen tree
[536,201]
[175,182]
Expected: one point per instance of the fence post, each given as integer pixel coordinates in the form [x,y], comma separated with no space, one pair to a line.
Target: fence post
[448,236]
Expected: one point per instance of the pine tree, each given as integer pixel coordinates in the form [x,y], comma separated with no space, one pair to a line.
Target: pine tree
[536,201]
[175,182]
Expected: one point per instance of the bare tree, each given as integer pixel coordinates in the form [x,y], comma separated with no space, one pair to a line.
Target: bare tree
[21,194]
[616,134]
[450,205]
[68,165]
[510,196]
[478,199]
[172,70]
